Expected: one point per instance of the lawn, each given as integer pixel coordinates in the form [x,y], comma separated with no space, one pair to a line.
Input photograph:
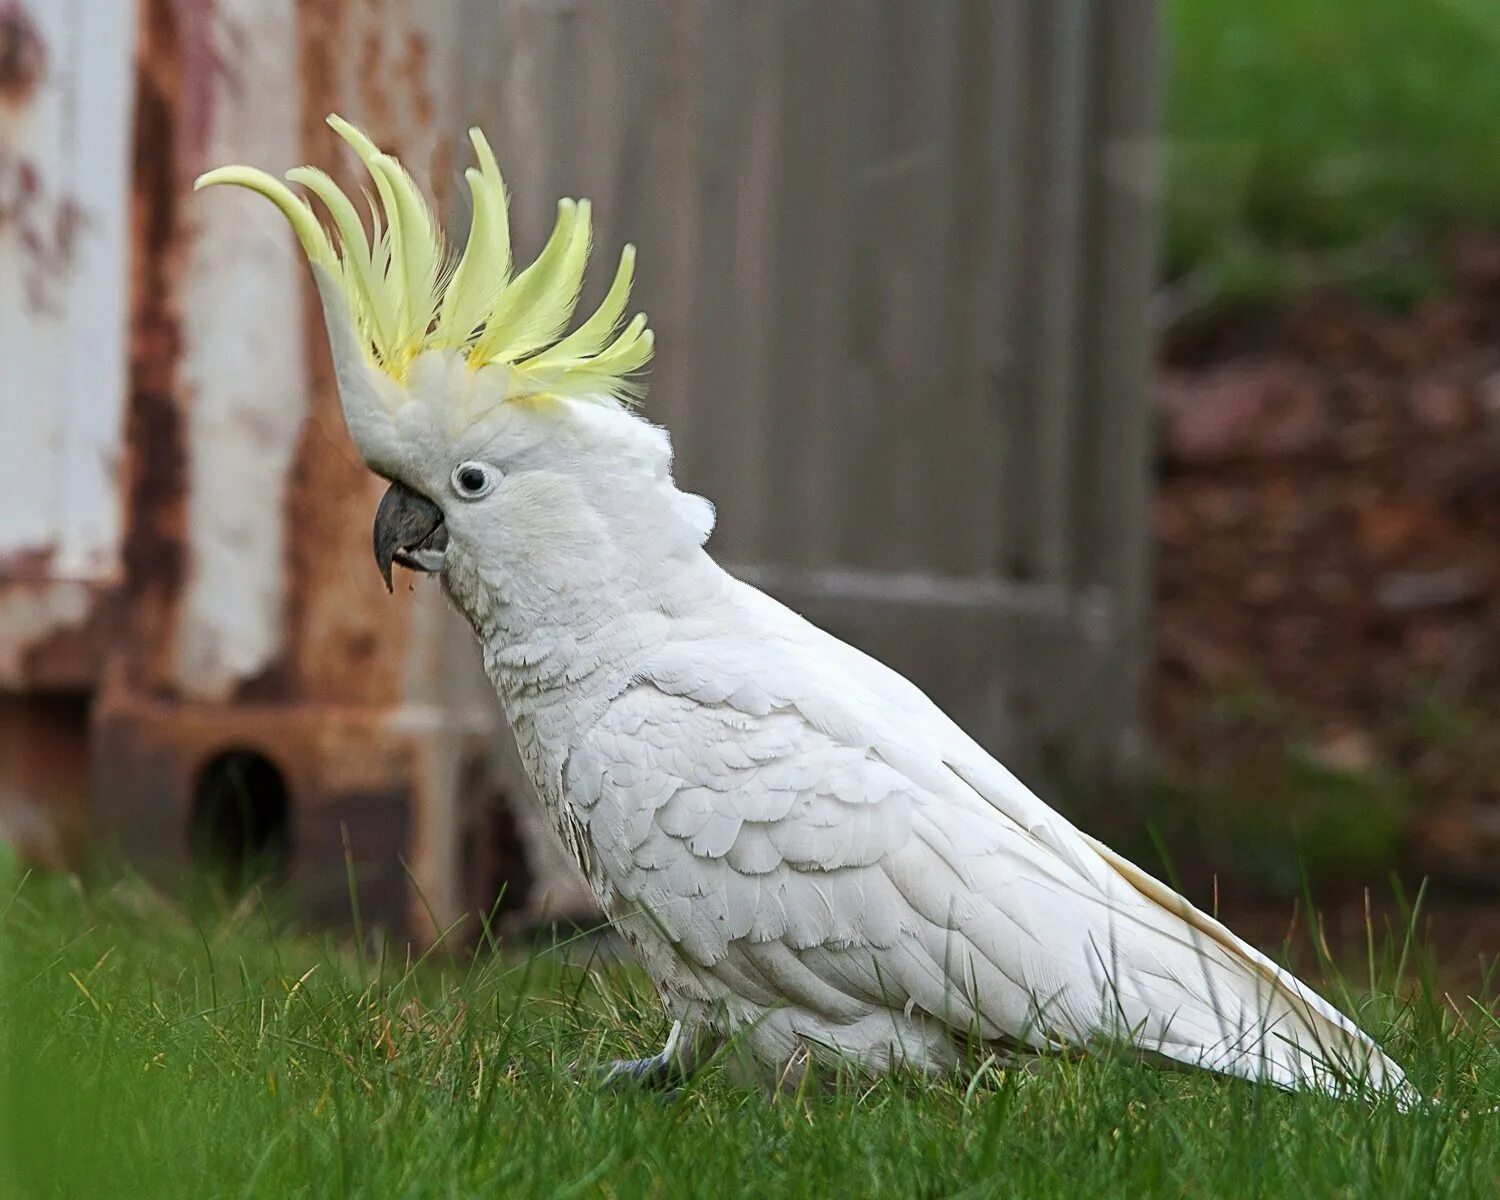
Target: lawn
[149,1053]
[1327,138]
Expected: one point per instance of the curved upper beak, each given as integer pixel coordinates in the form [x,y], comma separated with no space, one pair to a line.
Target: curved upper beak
[409,530]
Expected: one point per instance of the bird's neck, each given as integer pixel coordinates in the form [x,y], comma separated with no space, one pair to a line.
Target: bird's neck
[589,642]
[558,669]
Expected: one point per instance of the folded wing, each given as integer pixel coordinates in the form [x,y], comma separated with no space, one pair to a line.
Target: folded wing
[884,886]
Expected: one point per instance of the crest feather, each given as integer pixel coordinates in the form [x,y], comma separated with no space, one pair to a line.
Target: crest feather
[535,309]
[484,269]
[364,274]
[406,296]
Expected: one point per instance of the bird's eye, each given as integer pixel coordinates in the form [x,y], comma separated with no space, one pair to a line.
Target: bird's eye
[471,480]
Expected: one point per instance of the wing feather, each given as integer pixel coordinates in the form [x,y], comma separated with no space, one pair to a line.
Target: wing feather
[849,851]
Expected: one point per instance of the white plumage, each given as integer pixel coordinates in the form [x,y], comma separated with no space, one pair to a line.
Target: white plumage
[804,851]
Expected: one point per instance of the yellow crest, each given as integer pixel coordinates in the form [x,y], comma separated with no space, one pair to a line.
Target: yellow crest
[406,294]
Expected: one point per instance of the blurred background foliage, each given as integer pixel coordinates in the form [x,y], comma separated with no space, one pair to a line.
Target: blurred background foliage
[1327,504]
[1333,128]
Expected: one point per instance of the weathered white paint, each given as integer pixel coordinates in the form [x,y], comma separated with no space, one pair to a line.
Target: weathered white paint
[64,160]
[243,372]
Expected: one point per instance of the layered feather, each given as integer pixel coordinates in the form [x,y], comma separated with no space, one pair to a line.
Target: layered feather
[807,852]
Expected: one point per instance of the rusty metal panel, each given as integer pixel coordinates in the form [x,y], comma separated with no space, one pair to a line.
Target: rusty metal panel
[254,626]
[43,777]
[65,91]
[65,111]
[242,384]
[184,546]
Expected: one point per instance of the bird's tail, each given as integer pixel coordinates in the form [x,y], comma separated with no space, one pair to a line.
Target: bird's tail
[1233,1010]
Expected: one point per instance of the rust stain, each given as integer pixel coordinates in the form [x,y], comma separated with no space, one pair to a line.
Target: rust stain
[23,54]
[411,73]
[211,44]
[154,467]
[348,639]
[45,229]
[53,633]
[68,657]
[32,564]
[375,103]
[337,607]
[44,778]
[440,169]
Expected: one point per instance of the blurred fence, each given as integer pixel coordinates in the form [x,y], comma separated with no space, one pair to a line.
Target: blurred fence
[897,256]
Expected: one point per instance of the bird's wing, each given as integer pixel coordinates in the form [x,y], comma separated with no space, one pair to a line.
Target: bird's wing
[810,840]
[1190,988]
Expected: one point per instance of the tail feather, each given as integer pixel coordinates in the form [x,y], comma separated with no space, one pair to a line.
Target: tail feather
[1252,1018]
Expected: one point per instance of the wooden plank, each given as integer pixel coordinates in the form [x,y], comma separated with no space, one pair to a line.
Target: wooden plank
[996,292]
[604,90]
[972,432]
[1018,54]
[1057,197]
[908,591]
[867,406]
[904,220]
[1118,366]
[511,56]
[811,256]
[662,136]
[954,437]
[733,457]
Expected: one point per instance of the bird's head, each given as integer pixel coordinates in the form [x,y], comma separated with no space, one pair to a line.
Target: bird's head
[516,464]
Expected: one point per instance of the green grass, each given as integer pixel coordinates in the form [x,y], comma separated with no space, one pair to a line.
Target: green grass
[1323,128]
[149,1054]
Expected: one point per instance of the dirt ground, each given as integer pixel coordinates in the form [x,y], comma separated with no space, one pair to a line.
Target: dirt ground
[1327,524]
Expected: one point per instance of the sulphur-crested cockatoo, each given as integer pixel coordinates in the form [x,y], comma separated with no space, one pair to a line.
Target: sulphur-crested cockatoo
[804,852]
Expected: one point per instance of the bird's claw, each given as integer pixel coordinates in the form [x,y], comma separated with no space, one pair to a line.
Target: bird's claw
[663,1071]
[658,1072]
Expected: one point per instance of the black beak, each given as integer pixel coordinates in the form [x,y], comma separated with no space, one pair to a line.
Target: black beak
[409,530]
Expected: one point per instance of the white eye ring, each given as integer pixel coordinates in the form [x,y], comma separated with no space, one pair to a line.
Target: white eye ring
[473,480]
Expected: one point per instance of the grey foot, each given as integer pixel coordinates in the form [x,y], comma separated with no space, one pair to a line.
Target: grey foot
[661,1071]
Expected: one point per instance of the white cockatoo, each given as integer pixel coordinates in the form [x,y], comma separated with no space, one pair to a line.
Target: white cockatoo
[804,852]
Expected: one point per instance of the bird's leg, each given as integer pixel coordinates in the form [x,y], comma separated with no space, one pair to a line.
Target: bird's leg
[674,1064]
